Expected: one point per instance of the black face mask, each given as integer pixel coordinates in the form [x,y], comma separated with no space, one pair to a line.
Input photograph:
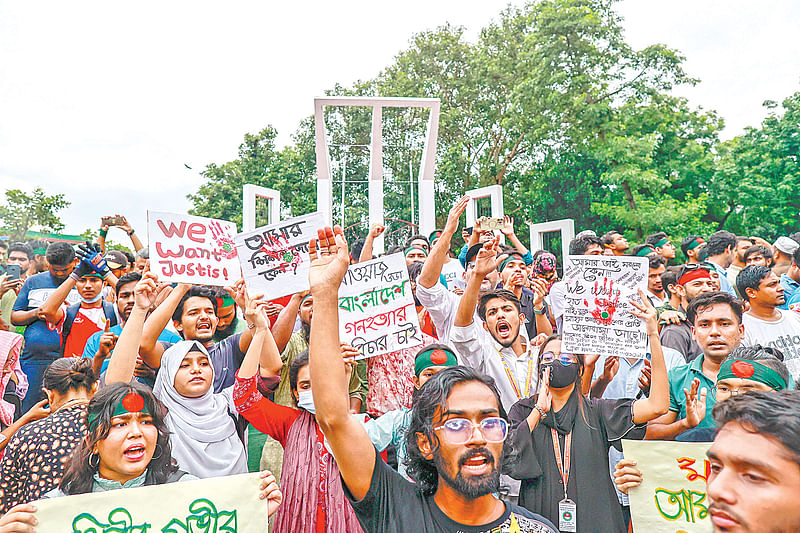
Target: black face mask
[562,376]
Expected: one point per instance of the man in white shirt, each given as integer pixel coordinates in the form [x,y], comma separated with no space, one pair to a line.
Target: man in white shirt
[764,323]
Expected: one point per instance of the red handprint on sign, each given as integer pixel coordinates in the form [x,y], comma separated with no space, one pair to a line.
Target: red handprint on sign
[605,302]
[227,248]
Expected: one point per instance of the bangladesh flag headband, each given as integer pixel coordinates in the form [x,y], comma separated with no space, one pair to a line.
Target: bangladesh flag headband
[414,249]
[695,243]
[130,403]
[746,369]
[434,357]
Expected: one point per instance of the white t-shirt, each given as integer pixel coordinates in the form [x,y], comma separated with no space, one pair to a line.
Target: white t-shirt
[783,334]
[453,274]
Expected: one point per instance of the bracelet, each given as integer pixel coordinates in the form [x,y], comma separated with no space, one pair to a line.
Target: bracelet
[251,326]
[103,233]
[538,312]
[542,413]
[131,232]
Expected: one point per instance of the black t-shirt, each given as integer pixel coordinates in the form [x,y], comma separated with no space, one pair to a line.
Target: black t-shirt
[395,505]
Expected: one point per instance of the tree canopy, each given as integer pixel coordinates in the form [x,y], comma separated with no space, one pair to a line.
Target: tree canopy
[553,104]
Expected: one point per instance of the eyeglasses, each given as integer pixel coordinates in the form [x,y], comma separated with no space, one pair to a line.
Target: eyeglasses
[459,430]
[730,391]
[564,358]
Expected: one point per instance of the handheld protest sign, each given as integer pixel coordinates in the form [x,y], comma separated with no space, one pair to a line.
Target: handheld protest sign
[190,249]
[274,258]
[376,308]
[597,318]
[222,504]
[672,496]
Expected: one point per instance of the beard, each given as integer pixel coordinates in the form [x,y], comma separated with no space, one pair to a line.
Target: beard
[505,343]
[223,333]
[474,486]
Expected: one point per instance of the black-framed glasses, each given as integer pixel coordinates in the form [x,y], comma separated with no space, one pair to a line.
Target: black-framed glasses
[564,358]
[459,430]
[725,390]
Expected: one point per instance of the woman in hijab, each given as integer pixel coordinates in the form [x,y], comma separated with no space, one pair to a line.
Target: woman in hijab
[315,501]
[205,442]
[562,439]
[127,445]
[13,386]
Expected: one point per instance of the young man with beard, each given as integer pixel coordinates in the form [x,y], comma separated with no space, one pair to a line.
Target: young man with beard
[693,280]
[764,323]
[755,464]
[691,246]
[193,310]
[101,344]
[456,468]
[440,302]
[758,254]
[716,320]
[614,241]
[742,245]
[42,345]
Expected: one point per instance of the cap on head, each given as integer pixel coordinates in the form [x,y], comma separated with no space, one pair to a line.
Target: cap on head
[786,245]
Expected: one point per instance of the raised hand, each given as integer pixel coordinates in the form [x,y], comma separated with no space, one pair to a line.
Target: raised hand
[610,367]
[454,215]
[238,292]
[695,404]
[107,342]
[329,260]
[376,229]
[146,291]
[539,288]
[545,399]
[646,312]
[508,226]
[92,254]
[644,378]
[486,261]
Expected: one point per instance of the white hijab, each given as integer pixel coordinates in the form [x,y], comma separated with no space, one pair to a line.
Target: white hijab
[203,435]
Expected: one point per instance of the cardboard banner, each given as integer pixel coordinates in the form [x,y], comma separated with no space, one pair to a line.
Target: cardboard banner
[672,497]
[189,249]
[217,505]
[274,258]
[597,317]
[376,308]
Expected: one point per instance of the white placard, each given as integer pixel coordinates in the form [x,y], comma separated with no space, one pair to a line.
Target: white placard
[274,258]
[597,318]
[190,249]
[376,308]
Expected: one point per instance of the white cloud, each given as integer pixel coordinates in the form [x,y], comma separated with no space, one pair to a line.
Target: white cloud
[106,101]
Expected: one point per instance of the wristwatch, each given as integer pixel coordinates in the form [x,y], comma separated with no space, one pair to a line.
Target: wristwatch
[542,412]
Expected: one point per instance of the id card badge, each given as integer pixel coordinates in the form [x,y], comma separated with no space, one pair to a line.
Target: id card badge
[567,516]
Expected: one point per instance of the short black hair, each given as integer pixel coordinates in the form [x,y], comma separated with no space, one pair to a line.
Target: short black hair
[130,277]
[750,278]
[431,396]
[60,254]
[654,238]
[414,270]
[608,237]
[196,290]
[770,414]
[767,356]
[417,237]
[719,242]
[656,261]
[129,256]
[758,249]
[687,241]
[497,293]
[21,247]
[707,299]
[579,245]
[670,277]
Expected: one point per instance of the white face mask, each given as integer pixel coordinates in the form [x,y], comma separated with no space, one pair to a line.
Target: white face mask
[93,300]
[306,401]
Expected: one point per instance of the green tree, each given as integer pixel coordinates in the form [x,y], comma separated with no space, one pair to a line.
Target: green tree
[23,211]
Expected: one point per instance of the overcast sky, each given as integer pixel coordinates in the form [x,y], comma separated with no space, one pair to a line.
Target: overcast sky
[106,101]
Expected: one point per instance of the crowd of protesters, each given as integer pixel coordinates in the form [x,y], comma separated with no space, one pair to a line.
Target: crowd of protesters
[113,379]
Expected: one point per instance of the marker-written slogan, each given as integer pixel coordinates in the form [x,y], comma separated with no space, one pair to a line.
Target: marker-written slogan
[274,258]
[597,318]
[189,249]
[672,497]
[219,505]
[376,307]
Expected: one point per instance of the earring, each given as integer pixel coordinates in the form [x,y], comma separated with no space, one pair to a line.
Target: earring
[89,460]
[159,450]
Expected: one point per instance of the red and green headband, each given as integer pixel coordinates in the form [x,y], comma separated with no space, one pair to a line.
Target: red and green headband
[746,369]
[133,402]
[695,243]
[434,357]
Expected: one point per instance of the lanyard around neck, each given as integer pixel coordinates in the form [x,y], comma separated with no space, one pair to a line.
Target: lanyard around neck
[563,469]
[513,381]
